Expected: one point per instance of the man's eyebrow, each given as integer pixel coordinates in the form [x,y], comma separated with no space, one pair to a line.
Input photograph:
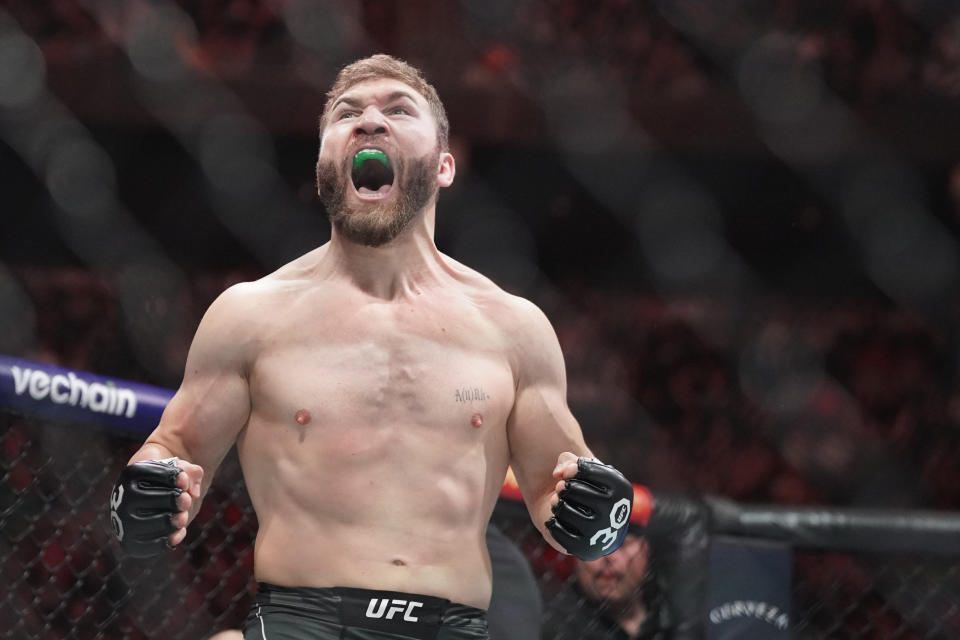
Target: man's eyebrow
[347,100]
[397,95]
[356,102]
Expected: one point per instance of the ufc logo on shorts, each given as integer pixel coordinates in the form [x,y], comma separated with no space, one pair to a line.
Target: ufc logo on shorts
[618,517]
[388,607]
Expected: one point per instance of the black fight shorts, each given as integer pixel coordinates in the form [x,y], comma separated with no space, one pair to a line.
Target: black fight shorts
[339,613]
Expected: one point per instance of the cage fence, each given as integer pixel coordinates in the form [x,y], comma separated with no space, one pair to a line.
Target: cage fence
[67,578]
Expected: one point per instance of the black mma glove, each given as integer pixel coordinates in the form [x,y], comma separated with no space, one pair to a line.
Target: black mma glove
[590,520]
[143,504]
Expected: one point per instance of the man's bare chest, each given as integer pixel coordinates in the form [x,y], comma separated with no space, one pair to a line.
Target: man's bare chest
[370,368]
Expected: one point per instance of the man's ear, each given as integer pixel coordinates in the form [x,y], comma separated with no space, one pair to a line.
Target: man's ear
[446,170]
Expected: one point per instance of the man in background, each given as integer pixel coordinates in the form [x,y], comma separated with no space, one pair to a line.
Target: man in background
[613,598]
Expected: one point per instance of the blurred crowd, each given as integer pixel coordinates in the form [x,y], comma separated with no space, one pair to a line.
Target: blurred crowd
[790,400]
[787,401]
[867,50]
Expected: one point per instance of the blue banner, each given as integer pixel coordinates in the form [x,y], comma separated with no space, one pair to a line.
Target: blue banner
[67,394]
[749,594]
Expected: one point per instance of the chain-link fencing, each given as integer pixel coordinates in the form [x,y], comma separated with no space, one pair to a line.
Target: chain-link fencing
[66,577]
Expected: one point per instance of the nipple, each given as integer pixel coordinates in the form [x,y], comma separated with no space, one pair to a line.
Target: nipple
[477,420]
[302,417]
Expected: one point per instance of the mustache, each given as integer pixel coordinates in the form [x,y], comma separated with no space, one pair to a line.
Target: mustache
[368,139]
[365,141]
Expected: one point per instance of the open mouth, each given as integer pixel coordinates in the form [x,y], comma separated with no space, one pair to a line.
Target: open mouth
[372,173]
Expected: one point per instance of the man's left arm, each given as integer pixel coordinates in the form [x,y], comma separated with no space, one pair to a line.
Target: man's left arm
[580,505]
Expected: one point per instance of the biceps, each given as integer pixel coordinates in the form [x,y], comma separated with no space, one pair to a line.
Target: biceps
[540,428]
[205,416]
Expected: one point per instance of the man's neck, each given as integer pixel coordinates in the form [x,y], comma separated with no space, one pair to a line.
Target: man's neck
[392,270]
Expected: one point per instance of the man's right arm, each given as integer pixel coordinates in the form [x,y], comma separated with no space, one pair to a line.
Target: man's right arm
[580,505]
[200,423]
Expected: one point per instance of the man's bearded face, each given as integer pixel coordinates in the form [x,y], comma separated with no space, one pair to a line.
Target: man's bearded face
[376,223]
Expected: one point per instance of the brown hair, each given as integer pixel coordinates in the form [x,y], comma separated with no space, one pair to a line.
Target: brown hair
[384,66]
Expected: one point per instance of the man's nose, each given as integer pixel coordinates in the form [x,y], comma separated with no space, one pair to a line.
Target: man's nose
[371,122]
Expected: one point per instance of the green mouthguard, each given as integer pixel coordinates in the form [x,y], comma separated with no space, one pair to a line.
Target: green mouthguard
[370,154]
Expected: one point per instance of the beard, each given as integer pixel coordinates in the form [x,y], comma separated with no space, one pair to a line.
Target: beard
[376,223]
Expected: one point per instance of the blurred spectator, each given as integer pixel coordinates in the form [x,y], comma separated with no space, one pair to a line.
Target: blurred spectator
[614,598]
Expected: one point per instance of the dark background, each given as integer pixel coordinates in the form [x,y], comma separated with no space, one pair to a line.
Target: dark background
[742,217]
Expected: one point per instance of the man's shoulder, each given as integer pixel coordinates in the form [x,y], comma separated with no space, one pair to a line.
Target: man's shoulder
[237,321]
[243,309]
[509,308]
[241,298]
[299,269]
[244,296]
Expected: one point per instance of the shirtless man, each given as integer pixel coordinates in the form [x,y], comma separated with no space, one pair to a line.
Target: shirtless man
[376,390]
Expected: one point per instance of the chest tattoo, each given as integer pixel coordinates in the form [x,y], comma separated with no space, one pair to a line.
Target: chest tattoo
[464,395]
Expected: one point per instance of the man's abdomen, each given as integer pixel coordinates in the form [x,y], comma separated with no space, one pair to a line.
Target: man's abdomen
[367,557]
[379,508]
